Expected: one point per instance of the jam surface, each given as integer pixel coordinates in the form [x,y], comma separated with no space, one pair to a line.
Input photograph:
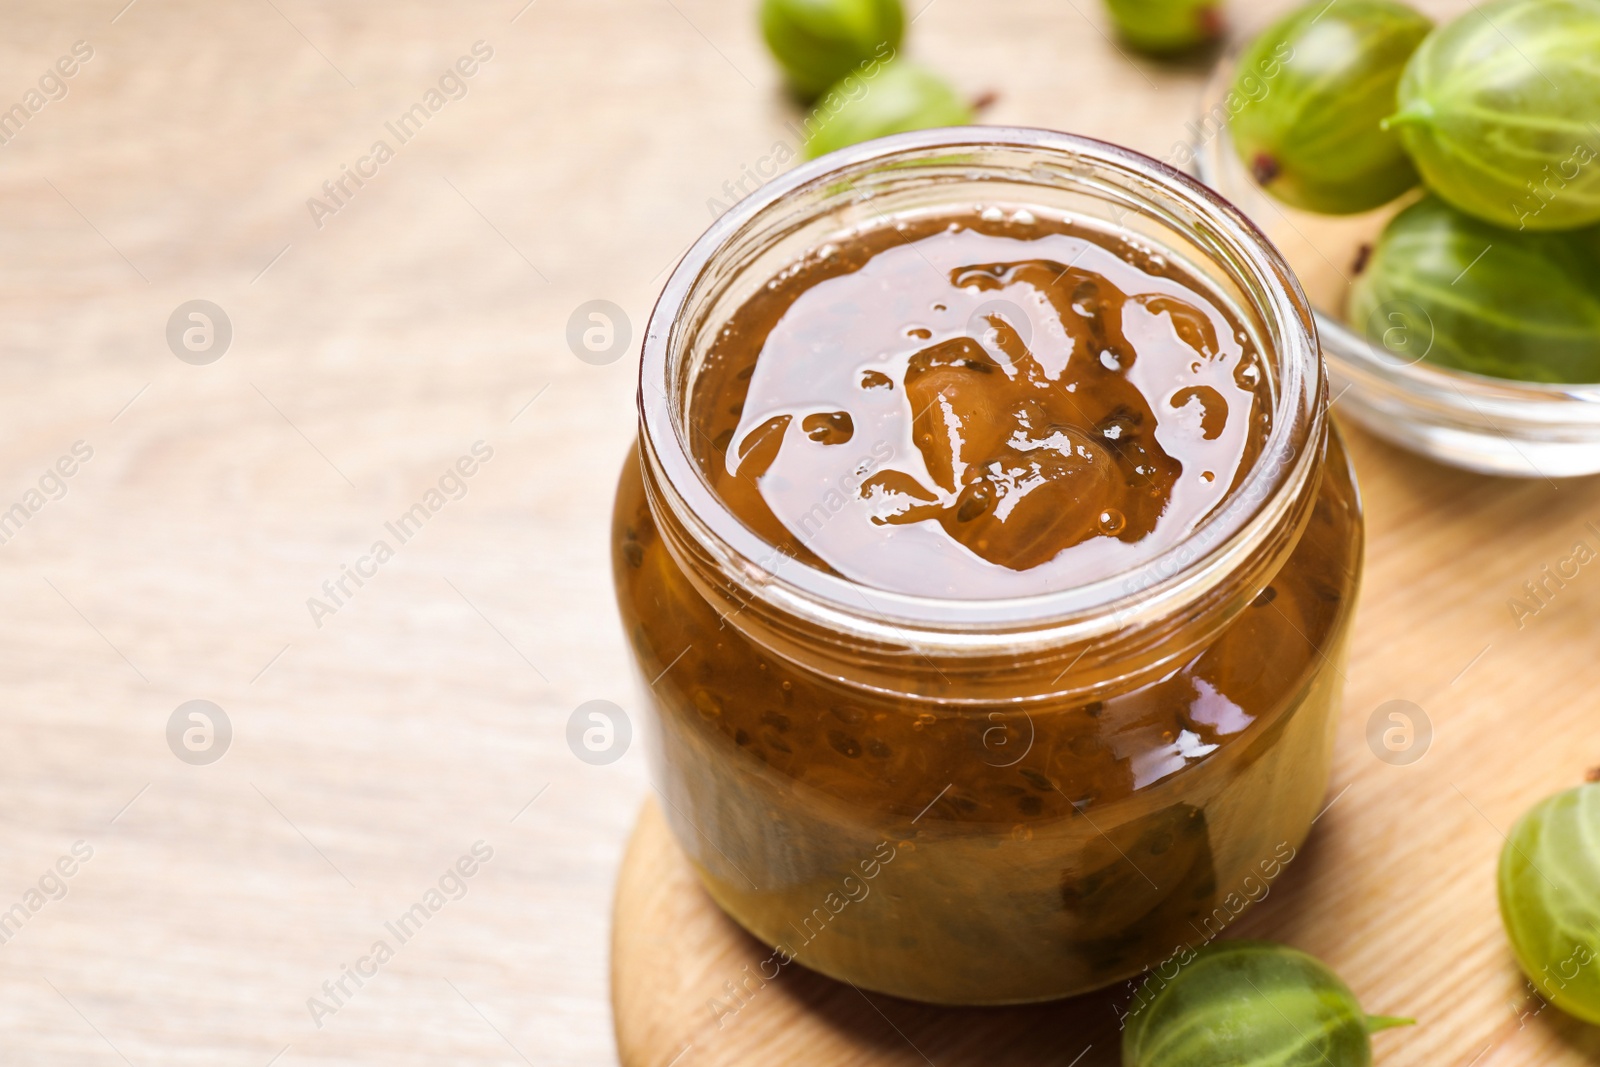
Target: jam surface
[979,404]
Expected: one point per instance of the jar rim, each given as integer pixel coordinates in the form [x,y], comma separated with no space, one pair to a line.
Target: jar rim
[1155,589]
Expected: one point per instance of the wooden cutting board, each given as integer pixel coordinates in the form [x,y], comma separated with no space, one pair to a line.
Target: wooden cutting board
[1395,888]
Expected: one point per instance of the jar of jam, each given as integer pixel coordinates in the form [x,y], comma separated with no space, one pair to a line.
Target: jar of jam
[988,557]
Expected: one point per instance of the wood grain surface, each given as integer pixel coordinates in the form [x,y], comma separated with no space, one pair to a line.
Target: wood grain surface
[429,711]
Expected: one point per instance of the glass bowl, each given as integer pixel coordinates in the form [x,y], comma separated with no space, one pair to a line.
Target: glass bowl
[1378,375]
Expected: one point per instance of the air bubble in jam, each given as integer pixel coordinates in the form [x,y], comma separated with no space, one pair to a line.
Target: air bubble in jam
[1042,446]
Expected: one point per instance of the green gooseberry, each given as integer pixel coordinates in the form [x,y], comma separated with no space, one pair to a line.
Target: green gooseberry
[1313,91]
[1252,1004]
[901,96]
[1550,898]
[1451,289]
[818,42]
[1499,109]
[1161,27]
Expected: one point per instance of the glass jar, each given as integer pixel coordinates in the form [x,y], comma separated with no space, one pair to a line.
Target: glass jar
[990,801]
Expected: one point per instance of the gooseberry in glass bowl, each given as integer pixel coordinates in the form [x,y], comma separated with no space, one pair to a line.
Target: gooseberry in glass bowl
[1393,372]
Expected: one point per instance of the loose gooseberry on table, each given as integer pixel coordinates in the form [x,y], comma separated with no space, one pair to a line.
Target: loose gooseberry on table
[1550,898]
[1249,1004]
[818,42]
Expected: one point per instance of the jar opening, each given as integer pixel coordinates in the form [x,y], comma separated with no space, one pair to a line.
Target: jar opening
[1104,186]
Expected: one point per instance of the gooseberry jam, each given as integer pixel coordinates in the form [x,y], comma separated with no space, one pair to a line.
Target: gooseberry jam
[989,560]
[978,405]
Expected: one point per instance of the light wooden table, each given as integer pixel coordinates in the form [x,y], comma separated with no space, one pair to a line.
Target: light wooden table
[428,711]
